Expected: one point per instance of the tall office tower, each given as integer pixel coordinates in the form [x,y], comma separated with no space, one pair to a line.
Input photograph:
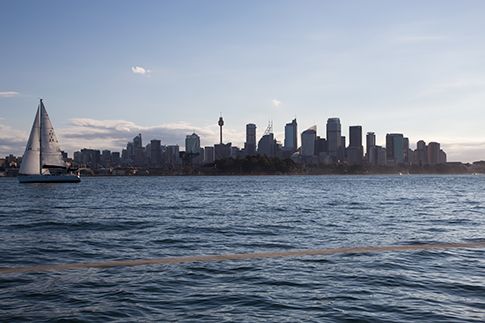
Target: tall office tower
[137,143]
[291,136]
[442,157]
[250,144]
[334,137]
[220,123]
[155,153]
[222,151]
[421,153]
[355,133]
[405,150]
[308,139]
[433,153]
[321,146]
[106,158]
[380,155]
[172,155]
[267,145]
[394,148]
[209,154]
[370,151]
[355,150]
[341,154]
[139,151]
[192,144]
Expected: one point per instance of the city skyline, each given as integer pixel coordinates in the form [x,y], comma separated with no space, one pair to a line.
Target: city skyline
[210,137]
[109,71]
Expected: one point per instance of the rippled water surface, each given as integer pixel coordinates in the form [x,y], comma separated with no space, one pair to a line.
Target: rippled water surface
[152,217]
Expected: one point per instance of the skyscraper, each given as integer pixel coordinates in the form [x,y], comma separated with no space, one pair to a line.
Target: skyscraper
[355,150]
[308,138]
[370,151]
[267,145]
[395,148]
[334,137]
[291,136]
[192,144]
[250,144]
[139,151]
[433,153]
[155,153]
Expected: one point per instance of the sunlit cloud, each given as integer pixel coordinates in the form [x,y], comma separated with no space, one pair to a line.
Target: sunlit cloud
[8,94]
[276,103]
[140,70]
[114,134]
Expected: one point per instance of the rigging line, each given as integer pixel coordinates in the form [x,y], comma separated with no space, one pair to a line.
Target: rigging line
[238,256]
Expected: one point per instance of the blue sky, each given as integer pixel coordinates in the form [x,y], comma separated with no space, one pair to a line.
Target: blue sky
[416,67]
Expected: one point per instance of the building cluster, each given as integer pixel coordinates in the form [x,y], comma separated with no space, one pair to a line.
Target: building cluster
[306,148]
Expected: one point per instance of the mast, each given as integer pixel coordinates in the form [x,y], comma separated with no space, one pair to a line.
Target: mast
[40,137]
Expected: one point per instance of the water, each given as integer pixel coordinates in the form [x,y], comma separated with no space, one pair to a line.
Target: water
[152,217]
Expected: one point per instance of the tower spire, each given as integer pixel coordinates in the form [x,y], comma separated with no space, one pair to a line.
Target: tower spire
[220,123]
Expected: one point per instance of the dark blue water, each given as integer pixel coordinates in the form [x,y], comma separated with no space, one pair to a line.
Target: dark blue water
[151,217]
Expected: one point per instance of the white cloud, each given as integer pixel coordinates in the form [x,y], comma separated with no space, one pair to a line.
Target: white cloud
[140,70]
[114,134]
[8,94]
[12,141]
[276,103]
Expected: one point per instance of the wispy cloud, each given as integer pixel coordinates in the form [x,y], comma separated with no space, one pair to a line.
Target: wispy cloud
[114,134]
[140,70]
[457,85]
[8,94]
[276,103]
[12,141]
[465,150]
[419,39]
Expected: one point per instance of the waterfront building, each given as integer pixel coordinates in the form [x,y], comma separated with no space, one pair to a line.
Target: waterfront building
[209,154]
[90,158]
[321,147]
[106,158]
[291,137]
[334,138]
[380,155]
[115,158]
[222,151]
[395,148]
[442,157]
[421,153]
[192,144]
[171,155]
[405,150]
[433,153]
[308,140]
[250,144]
[355,150]
[370,144]
[155,159]
[267,145]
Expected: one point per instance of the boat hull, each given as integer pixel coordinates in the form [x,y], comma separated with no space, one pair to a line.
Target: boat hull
[49,178]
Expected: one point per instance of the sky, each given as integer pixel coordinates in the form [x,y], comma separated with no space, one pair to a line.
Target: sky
[108,70]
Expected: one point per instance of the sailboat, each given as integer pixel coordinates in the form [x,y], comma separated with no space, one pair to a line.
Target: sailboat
[42,161]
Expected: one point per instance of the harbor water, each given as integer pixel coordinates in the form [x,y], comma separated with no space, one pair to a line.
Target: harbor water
[124,218]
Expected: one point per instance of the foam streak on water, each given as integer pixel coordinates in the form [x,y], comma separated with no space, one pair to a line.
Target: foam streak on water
[423,258]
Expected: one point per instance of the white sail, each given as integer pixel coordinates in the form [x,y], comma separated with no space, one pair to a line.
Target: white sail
[51,155]
[31,160]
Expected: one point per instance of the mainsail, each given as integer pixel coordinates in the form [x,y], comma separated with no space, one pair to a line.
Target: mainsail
[50,154]
[31,160]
